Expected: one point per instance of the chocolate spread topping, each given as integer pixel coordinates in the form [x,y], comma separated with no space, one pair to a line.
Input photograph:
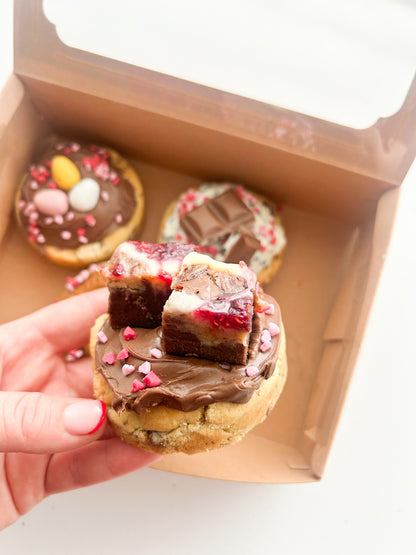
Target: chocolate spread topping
[187,382]
[117,197]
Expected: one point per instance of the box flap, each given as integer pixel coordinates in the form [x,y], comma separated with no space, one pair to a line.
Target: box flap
[382,152]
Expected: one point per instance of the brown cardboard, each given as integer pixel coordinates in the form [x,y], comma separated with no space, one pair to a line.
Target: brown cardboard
[338,188]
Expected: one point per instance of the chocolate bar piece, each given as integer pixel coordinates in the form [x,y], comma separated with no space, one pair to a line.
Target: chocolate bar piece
[209,313]
[243,249]
[216,217]
[139,277]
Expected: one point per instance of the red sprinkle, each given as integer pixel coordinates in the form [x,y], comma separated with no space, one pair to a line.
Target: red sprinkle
[151,379]
[137,385]
[109,358]
[90,220]
[123,354]
[80,231]
[129,333]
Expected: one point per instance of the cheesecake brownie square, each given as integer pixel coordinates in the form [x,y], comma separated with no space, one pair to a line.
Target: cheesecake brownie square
[139,277]
[210,310]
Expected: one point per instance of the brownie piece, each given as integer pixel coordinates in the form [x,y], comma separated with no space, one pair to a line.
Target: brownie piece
[139,277]
[210,310]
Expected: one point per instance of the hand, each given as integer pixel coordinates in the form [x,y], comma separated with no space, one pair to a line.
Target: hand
[50,440]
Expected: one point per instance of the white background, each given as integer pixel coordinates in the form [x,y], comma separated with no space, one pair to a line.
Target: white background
[365,502]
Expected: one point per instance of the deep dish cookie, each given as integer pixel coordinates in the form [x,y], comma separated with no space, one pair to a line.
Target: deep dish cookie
[78,202]
[230,223]
[204,371]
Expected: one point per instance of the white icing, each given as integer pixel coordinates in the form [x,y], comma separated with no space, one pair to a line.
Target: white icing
[182,302]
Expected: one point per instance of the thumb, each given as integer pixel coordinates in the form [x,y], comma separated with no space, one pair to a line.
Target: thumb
[39,423]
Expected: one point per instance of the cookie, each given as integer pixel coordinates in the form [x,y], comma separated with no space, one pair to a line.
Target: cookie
[167,401]
[78,202]
[230,223]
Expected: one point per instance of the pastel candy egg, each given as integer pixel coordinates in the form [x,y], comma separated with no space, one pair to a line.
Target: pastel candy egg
[84,196]
[64,172]
[53,202]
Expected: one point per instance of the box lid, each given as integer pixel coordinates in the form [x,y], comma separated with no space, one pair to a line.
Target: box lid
[239,106]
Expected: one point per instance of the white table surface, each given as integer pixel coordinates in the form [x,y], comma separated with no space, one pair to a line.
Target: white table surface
[365,501]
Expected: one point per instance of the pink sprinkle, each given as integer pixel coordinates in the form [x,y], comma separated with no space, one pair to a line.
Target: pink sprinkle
[70,281]
[118,218]
[75,147]
[152,380]
[129,334]
[105,196]
[66,235]
[145,368]
[102,171]
[83,275]
[274,329]
[58,219]
[33,216]
[269,309]
[101,336]
[21,204]
[40,238]
[265,336]
[127,369]
[109,358]
[30,207]
[69,217]
[265,346]
[137,385]
[157,353]
[74,354]
[123,354]
[82,239]
[90,220]
[252,371]
[33,185]
[48,220]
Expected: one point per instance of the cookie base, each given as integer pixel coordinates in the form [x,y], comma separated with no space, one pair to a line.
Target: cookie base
[164,430]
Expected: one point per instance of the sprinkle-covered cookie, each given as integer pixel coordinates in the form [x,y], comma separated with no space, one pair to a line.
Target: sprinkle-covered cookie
[78,202]
[230,223]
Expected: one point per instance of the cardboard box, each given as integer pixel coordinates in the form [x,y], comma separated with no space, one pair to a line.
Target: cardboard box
[339,188]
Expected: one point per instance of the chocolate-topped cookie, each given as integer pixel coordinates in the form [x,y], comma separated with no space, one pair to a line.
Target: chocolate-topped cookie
[196,371]
[230,223]
[78,201]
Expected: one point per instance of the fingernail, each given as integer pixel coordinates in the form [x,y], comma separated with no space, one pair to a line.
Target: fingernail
[84,417]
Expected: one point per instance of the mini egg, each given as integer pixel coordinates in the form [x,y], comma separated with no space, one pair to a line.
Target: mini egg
[52,202]
[84,196]
[64,172]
